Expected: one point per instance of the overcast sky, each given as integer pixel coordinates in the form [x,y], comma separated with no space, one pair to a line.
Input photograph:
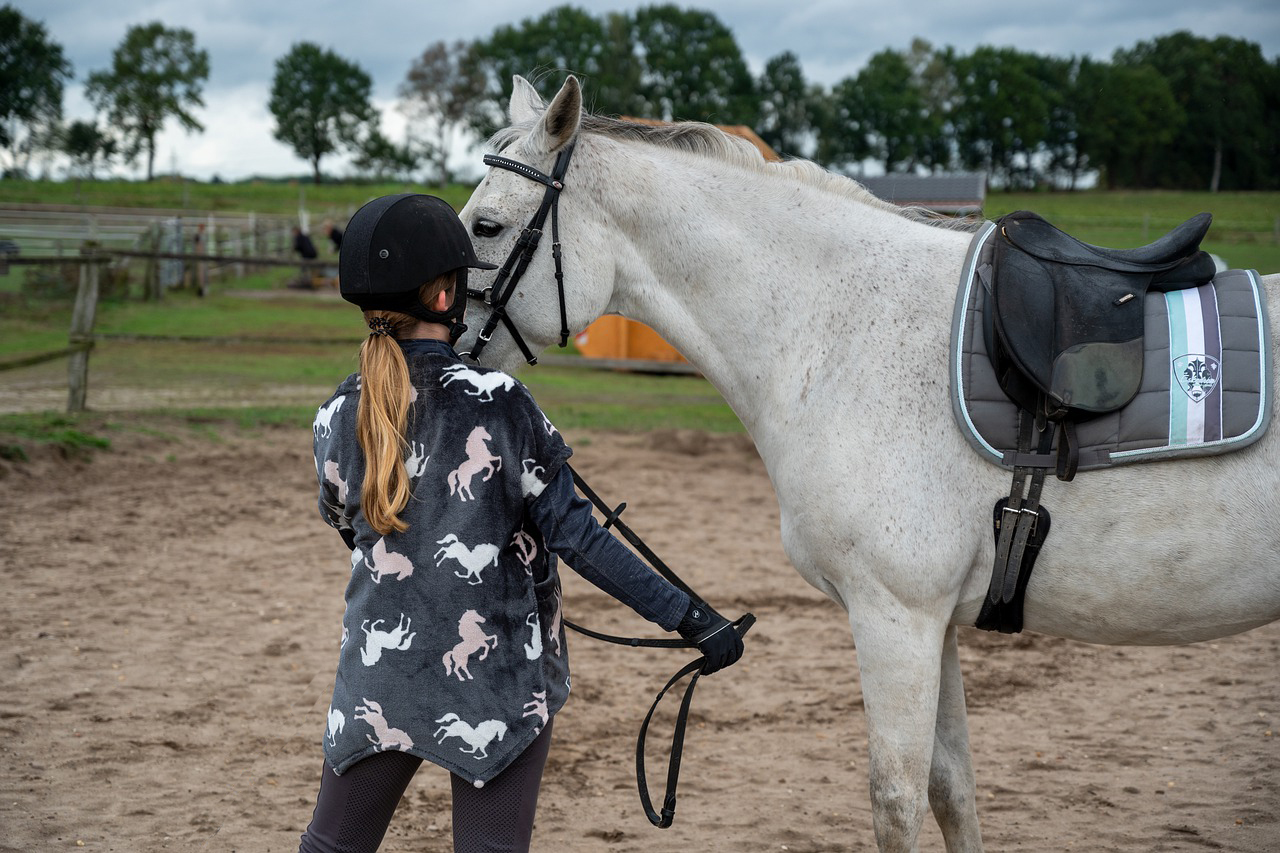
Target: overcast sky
[832,38]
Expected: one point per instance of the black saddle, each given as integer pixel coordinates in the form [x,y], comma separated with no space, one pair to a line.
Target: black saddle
[1064,326]
[1067,317]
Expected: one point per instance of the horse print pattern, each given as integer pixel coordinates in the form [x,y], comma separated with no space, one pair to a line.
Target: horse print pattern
[478,459]
[460,660]
[482,384]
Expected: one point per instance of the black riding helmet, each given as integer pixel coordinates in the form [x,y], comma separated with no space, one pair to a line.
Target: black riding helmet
[395,244]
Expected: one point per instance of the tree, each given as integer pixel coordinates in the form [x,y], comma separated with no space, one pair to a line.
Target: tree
[32,74]
[382,159]
[564,40]
[787,114]
[692,67]
[1124,116]
[320,102]
[86,144]
[1003,115]
[893,112]
[1223,87]
[843,141]
[156,72]
[442,88]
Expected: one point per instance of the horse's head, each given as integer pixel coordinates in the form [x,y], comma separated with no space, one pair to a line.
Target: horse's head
[505,203]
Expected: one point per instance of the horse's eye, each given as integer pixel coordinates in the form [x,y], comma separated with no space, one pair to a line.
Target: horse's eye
[486,228]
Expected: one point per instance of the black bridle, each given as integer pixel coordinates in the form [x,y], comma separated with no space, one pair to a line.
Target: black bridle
[509,275]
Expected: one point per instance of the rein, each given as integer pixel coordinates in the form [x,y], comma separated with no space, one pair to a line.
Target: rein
[504,284]
[496,297]
[742,625]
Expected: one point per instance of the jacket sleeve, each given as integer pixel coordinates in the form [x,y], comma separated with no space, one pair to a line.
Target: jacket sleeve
[567,526]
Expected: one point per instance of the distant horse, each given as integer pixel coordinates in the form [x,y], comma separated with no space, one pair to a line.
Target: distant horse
[822,315]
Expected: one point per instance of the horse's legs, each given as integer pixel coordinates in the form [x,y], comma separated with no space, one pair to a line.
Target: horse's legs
[951,784]
[899,658]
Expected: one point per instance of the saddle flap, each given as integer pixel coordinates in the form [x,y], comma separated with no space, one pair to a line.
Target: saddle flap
[1074,331]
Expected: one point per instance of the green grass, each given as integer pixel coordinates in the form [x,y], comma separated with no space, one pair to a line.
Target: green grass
[279,197]
[575,399]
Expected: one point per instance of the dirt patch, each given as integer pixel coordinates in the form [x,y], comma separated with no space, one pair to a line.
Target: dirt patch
[172,609]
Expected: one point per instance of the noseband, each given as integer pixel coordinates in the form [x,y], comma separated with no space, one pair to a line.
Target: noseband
[509,275]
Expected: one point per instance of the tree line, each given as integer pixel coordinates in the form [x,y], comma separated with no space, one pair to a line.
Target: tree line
[1177,111]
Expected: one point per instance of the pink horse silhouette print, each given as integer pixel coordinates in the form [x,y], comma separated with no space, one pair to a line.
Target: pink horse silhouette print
[387,563]
[331,475]
[526,550]
[387,737]
[474,639]
[478,459]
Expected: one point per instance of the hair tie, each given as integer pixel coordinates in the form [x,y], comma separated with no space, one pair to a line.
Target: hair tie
[379,326]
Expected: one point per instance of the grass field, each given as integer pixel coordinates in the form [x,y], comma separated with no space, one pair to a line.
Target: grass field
[1245,234]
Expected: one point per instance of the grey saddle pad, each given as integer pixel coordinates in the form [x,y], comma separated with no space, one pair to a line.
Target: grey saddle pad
[1206,384]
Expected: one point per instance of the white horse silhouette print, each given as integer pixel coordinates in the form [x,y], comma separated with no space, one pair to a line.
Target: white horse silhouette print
[533,648]
[526,549]
[376,640]
[530,483]
[416,462]
[388,563]
[474,560]
[387,737]
[478,459]
[336,722]
[474,639]
[477,738]
[331,476]
[548,426]
[483,383]
[538,707]
[324,417]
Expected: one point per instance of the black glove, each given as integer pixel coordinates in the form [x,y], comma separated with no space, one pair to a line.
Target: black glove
[712,634]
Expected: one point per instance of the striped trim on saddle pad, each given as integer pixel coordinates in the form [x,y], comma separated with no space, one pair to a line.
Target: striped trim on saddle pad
[1206,383]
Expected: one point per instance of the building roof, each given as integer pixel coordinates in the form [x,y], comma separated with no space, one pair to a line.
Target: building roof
[946,193]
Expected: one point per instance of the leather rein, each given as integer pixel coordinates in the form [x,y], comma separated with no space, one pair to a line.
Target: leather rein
[496,297]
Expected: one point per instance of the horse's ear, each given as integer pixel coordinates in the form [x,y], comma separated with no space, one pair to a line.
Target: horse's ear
[526,104]
[560,120]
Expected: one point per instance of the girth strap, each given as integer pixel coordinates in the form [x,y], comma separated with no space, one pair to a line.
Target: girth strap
[1021,527]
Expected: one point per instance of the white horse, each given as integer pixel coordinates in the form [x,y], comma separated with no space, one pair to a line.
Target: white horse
[821,314]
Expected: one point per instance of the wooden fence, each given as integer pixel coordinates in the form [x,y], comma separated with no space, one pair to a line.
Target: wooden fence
[80,338]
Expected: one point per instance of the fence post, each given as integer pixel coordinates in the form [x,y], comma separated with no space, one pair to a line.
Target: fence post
[81,336]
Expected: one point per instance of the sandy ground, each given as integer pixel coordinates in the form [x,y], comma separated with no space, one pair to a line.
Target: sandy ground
[171,613]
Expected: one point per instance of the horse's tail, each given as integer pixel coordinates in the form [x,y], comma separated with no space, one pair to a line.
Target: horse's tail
[448,718]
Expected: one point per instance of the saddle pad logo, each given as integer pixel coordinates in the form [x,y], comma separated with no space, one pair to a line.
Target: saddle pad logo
[1197,374]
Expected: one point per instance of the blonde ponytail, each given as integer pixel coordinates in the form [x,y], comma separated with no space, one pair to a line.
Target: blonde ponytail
[383,414]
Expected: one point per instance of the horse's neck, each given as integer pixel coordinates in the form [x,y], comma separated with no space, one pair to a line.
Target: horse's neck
[758,279]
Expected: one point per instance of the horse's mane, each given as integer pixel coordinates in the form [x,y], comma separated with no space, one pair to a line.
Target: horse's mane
[708,140]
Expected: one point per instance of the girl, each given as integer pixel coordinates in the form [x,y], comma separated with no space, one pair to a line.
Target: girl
[450,487]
